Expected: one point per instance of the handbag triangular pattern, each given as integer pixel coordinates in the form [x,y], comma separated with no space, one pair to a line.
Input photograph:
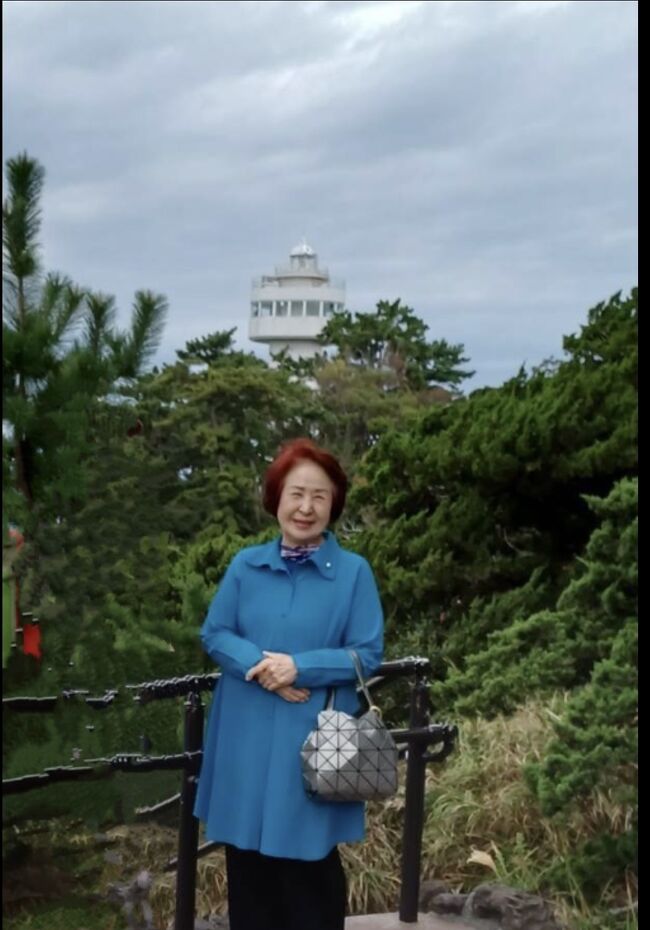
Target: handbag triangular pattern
[348,758]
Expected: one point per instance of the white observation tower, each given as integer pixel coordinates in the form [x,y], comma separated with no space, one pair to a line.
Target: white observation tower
[290,307]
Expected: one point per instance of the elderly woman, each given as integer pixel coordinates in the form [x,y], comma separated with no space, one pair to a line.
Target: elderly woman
[280,627]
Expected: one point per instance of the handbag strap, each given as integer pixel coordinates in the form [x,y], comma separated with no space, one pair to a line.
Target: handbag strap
[359,671]
[357,667]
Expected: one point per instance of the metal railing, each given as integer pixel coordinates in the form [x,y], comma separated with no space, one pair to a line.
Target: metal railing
[281,279]
[414,741]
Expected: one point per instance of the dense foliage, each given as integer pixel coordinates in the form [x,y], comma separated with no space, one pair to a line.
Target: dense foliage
[501,525]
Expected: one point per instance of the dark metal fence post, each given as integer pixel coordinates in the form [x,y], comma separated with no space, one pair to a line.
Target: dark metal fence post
[414,805]
[188,835]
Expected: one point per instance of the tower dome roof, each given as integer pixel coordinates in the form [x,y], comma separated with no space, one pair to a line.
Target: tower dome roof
[302,249]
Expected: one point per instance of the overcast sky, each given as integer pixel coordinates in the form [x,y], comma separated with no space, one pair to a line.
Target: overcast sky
[477,160]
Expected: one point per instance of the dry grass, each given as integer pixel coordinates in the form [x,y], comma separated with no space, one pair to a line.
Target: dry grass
[483,824]
[478,801]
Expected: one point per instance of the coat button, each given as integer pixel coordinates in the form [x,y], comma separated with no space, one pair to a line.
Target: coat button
[328,564]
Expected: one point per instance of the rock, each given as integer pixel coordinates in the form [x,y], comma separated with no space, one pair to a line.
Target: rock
[213,922]
[429,890]
[511,908]
[447,903]
[134,897]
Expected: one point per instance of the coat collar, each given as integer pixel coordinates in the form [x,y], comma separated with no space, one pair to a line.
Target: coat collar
[325,558]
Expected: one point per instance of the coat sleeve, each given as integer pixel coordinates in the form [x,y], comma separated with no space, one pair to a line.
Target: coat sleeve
[364,633]
[232,652]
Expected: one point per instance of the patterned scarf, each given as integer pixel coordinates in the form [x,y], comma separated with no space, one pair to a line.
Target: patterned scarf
[298,554]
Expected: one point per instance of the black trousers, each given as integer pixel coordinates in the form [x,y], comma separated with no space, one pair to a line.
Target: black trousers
[268,893]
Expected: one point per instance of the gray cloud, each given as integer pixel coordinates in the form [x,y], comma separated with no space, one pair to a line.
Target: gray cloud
[475,159]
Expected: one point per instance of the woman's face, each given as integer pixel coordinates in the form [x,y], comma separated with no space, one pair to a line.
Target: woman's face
[305,504]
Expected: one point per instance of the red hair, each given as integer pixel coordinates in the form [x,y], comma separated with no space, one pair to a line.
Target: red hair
[290,454]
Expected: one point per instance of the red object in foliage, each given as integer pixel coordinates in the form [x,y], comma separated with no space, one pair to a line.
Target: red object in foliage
[16,536]
[31,632]
[135,430]
[31,640]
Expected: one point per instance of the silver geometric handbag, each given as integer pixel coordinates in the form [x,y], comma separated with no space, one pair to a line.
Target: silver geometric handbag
[348,758]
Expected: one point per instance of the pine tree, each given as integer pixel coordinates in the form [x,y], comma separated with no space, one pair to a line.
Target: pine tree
[61,352]
[393,339]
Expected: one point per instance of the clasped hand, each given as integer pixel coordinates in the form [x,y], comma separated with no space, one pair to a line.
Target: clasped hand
[277,672]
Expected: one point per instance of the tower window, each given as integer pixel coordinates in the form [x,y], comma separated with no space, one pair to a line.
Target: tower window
[296,307]
[266,307]
[281,307]
[313,307]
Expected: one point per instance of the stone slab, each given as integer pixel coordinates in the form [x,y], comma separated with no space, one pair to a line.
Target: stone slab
[392,922]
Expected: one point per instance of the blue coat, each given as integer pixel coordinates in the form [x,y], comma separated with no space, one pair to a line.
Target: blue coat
[250,791]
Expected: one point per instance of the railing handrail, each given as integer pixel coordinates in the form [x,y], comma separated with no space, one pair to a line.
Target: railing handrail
[161,688]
